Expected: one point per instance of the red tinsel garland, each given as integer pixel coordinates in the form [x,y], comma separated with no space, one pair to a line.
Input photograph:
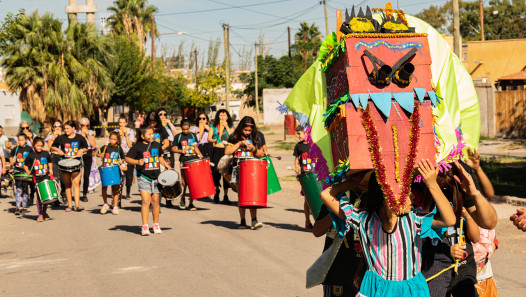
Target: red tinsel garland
[396,203]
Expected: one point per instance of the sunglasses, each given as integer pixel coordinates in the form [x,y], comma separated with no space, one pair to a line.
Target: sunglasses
[162,113]
[84,125]
[56,126]
[24,128]
[202,118]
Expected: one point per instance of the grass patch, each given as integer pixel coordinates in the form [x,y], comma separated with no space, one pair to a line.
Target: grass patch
[488,138]
[283,145]
[506,174]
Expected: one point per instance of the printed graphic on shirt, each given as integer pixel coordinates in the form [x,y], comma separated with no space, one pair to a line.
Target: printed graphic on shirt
[307,163]
[111,159]
[190,145]
[72,149]
[20,158]
[40,167]
[157,137]
[151,161]
[243,153]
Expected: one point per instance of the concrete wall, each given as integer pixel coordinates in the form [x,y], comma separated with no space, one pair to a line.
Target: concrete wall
[272,98]
[495,58]
[486,96]
[10,111]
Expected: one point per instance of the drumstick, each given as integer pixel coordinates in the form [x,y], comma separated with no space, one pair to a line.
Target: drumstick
[460,241]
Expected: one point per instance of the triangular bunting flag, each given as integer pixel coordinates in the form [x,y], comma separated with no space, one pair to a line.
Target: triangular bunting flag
[364,97]
[382,101]
[433,97]
[420,94]
[355,100]
[406,100]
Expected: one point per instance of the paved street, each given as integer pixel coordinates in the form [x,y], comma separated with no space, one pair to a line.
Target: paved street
[200,253]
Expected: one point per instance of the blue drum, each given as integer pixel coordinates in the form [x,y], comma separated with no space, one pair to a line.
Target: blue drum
[110,175]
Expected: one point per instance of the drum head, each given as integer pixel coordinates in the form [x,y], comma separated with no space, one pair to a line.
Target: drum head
[168,178]
[195,160]
[69,162]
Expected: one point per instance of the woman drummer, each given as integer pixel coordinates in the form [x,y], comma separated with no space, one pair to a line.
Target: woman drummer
[244,143]
[88,159]
[56,131]
[219,133]
[74,146]
[202,131]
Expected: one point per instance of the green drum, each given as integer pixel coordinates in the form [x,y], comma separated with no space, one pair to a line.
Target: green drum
[272,178]
[47,191]
[23,177]
[311,190]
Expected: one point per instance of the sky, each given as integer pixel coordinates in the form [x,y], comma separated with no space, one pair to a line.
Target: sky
[202,19]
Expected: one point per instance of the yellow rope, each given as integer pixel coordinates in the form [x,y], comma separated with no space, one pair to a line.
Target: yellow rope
[442,271]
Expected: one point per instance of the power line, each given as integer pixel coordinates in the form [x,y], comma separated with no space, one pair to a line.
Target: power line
[293,17]
[224,8]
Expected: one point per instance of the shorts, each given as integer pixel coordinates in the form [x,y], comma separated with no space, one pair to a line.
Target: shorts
[146,185]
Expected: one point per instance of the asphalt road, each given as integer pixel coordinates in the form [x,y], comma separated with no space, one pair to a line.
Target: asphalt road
[200,253]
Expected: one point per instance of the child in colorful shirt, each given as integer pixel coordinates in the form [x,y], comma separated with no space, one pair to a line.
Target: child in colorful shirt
[112,155]
[18,156]
[303,164]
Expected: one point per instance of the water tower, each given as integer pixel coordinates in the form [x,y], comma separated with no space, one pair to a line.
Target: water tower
[89,9]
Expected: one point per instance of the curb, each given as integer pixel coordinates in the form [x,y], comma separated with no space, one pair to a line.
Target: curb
[512,200]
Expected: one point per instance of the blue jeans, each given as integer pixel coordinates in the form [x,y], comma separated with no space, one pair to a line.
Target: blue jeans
[21,193]
[146,185]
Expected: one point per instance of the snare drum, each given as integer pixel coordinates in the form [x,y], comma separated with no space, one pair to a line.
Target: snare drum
[69,165]
[169,184]
[47,191]
[23,177]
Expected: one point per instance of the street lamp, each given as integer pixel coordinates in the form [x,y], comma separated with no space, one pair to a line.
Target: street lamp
[173,33]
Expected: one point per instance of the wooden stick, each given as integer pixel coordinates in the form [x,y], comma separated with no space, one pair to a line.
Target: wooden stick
[460,242]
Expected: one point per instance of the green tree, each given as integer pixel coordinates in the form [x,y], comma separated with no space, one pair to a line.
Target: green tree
[307,43]
[133,19]
[210,84]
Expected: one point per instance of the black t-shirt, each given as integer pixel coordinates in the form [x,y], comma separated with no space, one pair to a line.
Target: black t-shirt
[112,155]
[301,150]
[261,139]
[38,163]
[70,146]
[160,134]
[150,152]
[20,153]
[182,141]
[345,264]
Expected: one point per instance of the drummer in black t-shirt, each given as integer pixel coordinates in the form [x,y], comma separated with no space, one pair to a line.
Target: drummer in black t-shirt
[303,164]
[71,145]
[185,143]
[38,164]
[147,156]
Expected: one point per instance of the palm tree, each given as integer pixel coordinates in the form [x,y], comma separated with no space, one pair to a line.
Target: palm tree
[307,40]
[58,75]
[132,18]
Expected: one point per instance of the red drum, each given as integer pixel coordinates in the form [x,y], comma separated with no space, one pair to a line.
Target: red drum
[199,178]
[252,187]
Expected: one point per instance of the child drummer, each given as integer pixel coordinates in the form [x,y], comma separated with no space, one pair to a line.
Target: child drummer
[18,156]
[112,155]
[38,164]
[185,144]
[303,164]
[146,154]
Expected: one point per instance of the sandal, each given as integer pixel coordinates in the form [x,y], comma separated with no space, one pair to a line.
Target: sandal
[80,208]
[68,209]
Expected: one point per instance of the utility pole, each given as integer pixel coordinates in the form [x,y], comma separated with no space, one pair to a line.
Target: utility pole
[482,38]
[326,18]
[256,79]
[226,29]
[456,29]
[153,47]
[195,54]
[290,54]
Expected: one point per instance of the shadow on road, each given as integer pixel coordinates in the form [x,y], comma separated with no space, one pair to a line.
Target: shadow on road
[294,210]
[286,226]
[132,229]
[224,224]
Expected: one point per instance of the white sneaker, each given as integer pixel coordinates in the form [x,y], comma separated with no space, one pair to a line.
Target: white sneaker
[115,211]
[104,208]
[145,230]
[157,229]
[256,225]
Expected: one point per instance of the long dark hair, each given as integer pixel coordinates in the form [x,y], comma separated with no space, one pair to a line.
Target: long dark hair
[229,120]
[238,133]
[375,195]
[451,190]
[154,116]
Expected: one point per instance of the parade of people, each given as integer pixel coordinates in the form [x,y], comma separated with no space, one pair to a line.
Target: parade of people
[364,158]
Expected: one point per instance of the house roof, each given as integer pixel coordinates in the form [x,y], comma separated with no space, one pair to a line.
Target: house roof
[516,76]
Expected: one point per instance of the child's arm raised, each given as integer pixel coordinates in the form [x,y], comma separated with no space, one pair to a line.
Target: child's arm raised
[472,229]
[473,162]
[330,194]
[430,172]
[483,213]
